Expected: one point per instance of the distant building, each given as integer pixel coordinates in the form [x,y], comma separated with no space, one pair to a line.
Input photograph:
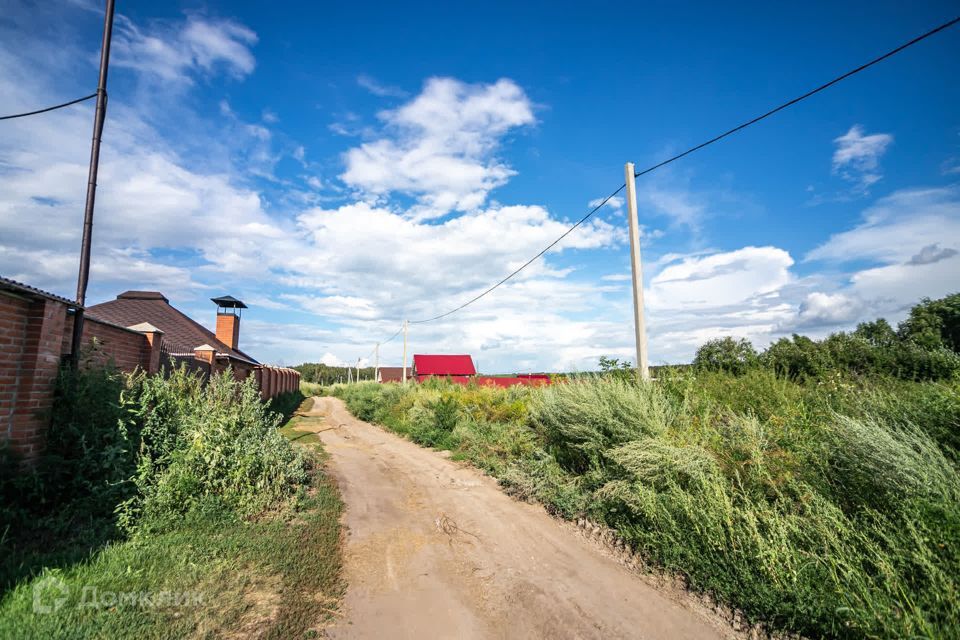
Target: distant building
[459,368]
[393,374]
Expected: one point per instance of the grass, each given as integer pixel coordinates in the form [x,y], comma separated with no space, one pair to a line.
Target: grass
[215,573]
[830,508]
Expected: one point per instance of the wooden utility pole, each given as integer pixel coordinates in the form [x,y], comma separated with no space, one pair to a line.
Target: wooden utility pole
[99,115]
[643,372]
[404,367]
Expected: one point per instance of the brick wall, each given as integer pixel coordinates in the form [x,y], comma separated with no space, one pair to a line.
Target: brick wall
[30,336]
[35,336]
[125,348]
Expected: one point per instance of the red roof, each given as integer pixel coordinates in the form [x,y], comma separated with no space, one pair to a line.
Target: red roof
[446,365]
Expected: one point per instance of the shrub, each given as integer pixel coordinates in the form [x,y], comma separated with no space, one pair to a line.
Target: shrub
[208,442]
[582,419]
[726,354]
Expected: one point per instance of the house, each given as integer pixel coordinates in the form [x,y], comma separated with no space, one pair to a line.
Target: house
[183,336]
[459,368]
[138,330]
[393,374]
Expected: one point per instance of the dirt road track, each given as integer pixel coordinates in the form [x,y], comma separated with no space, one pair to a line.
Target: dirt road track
[434,549]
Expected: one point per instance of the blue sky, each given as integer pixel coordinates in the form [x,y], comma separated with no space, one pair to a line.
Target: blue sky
[341,168]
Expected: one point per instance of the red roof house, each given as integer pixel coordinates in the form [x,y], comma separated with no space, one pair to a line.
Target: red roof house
[459,368]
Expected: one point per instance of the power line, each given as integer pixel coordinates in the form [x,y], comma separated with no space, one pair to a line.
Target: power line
[663,163]
[528,262]
[790,103]
[399,331]
[59,106]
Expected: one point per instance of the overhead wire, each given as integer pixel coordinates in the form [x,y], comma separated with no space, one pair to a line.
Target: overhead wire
[693,149]
[46,109]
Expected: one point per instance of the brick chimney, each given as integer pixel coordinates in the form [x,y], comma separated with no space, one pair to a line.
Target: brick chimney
[228,320]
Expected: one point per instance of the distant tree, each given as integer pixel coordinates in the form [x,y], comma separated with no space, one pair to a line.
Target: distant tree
[726,354]
[934,323]
[878,333]
[615,368]
[797,358]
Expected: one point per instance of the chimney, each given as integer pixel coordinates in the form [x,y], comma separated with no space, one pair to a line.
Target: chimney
[228,320]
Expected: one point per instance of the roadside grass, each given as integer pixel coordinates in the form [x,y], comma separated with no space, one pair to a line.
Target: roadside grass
[829,508]
[275,574]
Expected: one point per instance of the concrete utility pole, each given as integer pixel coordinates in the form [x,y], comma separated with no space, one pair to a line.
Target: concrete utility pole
[376,363]
[99,115]
[358,369]
[403,368]
[643,372]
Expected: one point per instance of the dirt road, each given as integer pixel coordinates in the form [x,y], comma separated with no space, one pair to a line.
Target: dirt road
[434,549]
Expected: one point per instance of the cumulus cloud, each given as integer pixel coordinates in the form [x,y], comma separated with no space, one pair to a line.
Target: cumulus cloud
[825,309]
[720,279]
[908,240]
[173,51]
[857,156]
[440,147]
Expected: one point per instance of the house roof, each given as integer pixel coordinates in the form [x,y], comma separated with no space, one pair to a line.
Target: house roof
[444,365]
[394,374]
[182,334]
[7,284]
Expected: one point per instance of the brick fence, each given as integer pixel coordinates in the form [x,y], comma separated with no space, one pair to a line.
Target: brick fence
[35,337]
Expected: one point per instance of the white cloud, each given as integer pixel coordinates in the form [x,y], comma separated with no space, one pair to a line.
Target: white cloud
[682,207]
[172,51]
[615,203]
[825,309]
[720,279]
[857,156]
[898,227]
[440,147]
[380,89]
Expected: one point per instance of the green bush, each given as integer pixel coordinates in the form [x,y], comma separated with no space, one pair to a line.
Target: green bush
[726,354]
[200,442]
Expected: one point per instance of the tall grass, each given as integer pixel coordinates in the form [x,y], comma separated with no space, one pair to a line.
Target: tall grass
[829,508]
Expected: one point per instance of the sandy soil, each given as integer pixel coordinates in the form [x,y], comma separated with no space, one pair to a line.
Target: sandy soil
[434,549]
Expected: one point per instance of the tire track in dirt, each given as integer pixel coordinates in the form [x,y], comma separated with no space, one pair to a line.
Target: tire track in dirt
[434,549]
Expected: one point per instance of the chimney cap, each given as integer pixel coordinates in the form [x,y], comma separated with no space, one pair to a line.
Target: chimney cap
[229,302]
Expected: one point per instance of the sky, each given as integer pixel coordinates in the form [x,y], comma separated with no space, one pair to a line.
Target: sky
[343,168]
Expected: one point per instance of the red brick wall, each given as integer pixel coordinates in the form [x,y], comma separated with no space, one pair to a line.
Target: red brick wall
[30,336]
[35,335]
[13,329]
[125,348]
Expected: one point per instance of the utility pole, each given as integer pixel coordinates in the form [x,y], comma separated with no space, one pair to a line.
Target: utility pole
[643,372]
[404,367]
[376,363]
[99,115]
[358,369]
